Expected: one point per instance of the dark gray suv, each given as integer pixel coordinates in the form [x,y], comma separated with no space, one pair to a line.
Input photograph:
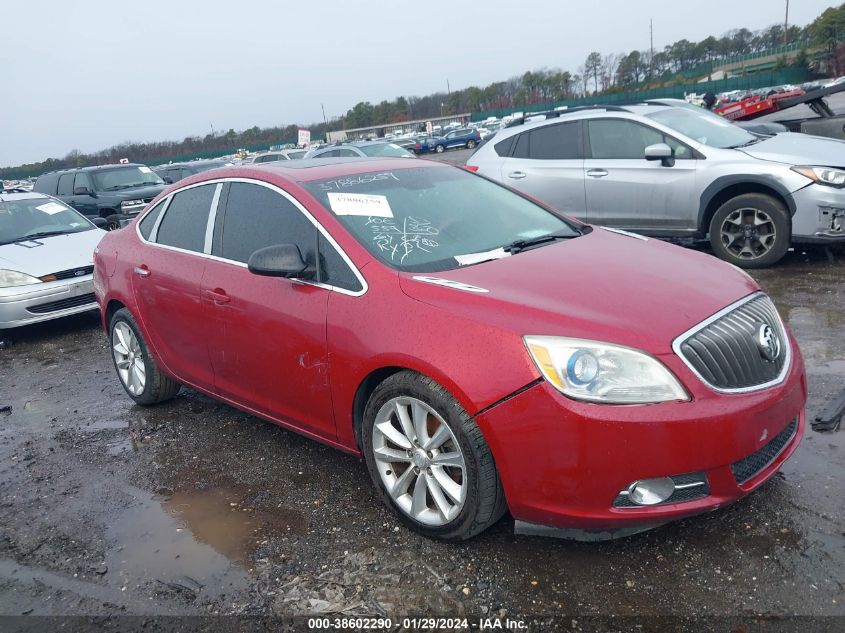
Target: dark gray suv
[113,192]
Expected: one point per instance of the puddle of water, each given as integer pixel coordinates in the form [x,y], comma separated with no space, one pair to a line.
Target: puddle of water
[219,518]
[205,536]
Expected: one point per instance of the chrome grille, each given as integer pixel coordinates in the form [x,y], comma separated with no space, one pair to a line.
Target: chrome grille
[724,350]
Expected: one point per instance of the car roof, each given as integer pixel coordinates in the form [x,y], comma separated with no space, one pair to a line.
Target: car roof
[191,162]
[93,168]
[309,169]
[9,196]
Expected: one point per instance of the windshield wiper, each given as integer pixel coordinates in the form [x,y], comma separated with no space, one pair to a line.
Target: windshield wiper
[520,245]
[35,236]
[747,143]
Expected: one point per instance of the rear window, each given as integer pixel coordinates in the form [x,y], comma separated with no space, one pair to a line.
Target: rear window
[186,219]
[148,222]
[503,148]
[46,184]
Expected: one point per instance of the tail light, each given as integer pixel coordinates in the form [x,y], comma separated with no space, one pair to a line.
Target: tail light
[471,167]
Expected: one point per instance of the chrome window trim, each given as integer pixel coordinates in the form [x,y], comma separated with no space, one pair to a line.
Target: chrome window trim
[220,181]
[212,217]
[787,364]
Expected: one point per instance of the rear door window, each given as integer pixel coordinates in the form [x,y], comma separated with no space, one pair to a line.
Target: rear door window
[82,180]
[148,222]
[184,224]
[561,141]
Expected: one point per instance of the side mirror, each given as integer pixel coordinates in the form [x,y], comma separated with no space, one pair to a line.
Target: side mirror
[99,222]
[81,191]
[167,180]
[661,152]
[281,260]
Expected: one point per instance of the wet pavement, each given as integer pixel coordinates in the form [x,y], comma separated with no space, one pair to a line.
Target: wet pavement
[193,507]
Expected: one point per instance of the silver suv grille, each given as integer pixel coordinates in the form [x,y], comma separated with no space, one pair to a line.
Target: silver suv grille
[742,348]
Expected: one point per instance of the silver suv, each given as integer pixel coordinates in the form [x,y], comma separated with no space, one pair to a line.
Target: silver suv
[670,171]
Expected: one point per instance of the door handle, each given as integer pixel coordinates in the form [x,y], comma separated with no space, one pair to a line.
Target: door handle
[218,295]
[142,271]
[597,173]
[517,175]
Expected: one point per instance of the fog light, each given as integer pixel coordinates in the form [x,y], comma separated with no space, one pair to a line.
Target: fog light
[649,492]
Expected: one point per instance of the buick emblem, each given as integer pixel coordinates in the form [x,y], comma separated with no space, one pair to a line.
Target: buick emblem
[768,342]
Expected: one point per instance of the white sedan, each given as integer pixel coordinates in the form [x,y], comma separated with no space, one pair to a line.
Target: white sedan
[46,259]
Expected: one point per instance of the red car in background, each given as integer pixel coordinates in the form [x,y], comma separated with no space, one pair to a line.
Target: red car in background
[482,352]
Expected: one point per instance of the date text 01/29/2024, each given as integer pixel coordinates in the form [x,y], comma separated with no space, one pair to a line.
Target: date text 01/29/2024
[411,624]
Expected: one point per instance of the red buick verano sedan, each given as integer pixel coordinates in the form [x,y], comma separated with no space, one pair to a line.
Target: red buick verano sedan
[482,352]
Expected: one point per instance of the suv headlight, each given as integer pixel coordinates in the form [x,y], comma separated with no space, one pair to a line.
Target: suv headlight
[602,372]
[9,278]
[823,175]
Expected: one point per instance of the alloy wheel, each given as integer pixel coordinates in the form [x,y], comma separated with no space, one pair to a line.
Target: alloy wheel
[420,461]
[748,233]
[128,358]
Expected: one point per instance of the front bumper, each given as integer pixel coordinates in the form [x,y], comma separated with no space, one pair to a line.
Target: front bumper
[563,462]
[23,305]
[820,215]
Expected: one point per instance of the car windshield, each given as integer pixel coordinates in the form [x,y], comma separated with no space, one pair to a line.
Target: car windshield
[29,217]
[125,178]
[433,219]
[384,149]
[703,127]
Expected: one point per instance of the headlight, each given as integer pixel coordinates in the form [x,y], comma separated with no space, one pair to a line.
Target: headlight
[823,175]
[9,278]
[601,372]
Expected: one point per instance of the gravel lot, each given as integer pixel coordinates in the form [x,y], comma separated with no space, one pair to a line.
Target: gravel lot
[193,507]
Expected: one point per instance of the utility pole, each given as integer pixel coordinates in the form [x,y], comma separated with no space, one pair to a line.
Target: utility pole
[448,90]
[786,25]
[651,46]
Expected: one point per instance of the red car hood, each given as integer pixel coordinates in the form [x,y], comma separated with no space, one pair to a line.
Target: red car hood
[602,286]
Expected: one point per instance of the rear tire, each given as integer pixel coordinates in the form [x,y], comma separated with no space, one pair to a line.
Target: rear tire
[752,230]
[470,144]
[426,493]
[137,370]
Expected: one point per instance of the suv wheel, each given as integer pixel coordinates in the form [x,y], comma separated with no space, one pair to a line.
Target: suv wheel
[429,460]
[439,149]
[113,222]
[470,144]
[751,231]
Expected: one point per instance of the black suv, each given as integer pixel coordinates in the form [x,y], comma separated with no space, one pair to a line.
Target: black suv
[113,192]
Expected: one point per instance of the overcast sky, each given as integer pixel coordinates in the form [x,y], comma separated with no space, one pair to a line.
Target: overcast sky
[88,74]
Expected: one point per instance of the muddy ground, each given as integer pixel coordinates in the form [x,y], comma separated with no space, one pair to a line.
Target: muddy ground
[193,507]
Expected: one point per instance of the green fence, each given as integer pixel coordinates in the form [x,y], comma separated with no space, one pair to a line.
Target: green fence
[770,52]
[750,82]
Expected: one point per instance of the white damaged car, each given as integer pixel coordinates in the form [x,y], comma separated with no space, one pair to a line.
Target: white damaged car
[46,259]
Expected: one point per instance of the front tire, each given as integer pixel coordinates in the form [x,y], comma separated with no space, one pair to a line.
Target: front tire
[429,460]
[751,231]
[113,222]
[137,370]
[439,149]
